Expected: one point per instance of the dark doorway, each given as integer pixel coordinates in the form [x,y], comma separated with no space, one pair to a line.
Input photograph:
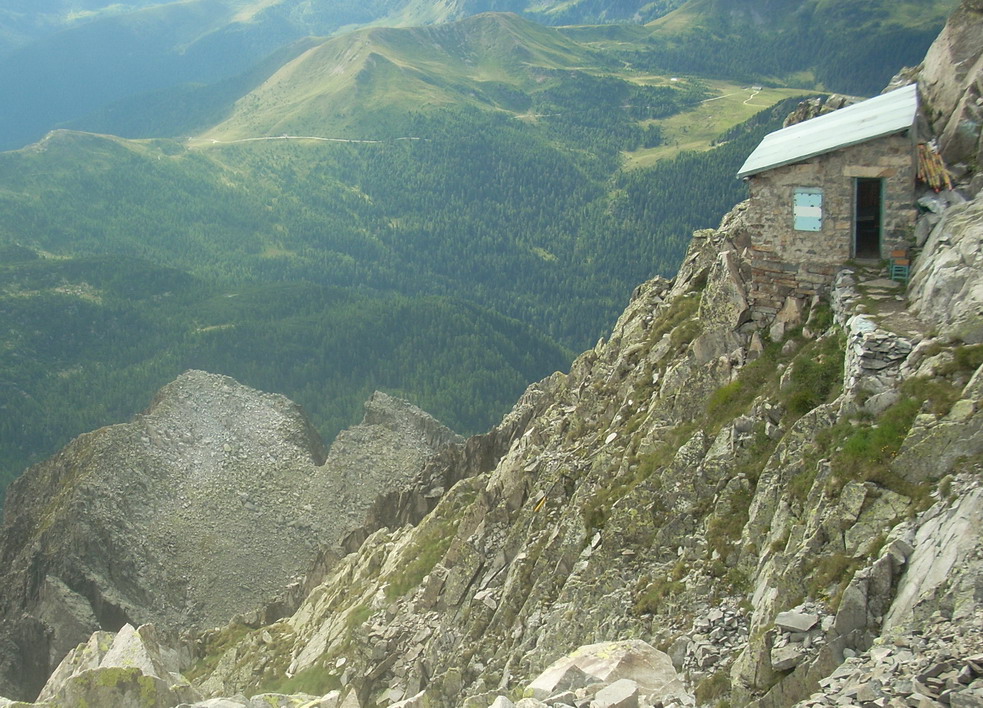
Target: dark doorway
[867,219]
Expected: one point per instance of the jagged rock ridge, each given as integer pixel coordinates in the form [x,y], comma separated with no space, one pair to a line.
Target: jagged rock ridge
[206,506]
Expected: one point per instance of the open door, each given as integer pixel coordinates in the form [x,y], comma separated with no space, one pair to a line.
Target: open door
[867,218]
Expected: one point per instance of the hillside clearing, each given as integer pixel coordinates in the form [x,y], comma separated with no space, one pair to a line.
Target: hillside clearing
[698,128]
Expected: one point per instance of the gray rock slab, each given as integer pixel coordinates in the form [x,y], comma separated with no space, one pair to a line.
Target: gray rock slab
[623,693]
[502,702]
[610,661]
[971,698]
[786,657]
[792,621]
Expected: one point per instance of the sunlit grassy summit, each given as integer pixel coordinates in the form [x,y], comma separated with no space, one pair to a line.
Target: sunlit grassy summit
[348,86]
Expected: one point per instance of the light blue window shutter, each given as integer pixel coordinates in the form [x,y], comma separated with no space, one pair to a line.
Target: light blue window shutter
[807,209]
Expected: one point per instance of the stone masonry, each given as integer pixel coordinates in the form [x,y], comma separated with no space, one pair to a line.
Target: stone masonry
[786,262]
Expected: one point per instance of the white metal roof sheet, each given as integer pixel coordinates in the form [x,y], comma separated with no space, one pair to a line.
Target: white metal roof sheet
[876,117]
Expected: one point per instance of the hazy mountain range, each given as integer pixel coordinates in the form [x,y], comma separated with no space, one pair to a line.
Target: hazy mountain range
[60,61]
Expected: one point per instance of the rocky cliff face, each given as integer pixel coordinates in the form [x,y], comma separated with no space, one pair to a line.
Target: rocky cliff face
[702,511]
[763,511]
[206,506]
[951,91]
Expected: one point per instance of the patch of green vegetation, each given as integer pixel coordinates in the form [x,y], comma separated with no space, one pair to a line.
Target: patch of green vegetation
[215,645]
[833,569]
[865,453]
[314,680]
[684,334]
[732,399]
[802,481]
[429,548]
[816,376]
[967,358]
[652,592]
[969,463]
[710,122]
[937,395]
[358,615]
[726,525]
[821,317]
[597,508]
[778,545]
[271,650]
[681,309]
[830,574]
[115,682]
[431,540]
[739,578]
[713,687]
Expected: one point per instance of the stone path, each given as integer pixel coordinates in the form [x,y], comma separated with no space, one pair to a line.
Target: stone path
[885,301]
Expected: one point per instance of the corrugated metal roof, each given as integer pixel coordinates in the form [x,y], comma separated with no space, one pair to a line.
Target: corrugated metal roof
[876,117]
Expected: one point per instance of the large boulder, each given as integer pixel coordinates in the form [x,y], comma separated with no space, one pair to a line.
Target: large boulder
[610,662]
[947,282]
[132,668]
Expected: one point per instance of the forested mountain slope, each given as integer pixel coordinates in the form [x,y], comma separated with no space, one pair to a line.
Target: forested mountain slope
[843,45]
[87,340]
[508,213]
[351,86]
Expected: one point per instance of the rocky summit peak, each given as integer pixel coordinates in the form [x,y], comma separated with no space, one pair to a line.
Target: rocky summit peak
[214,409]
[207,505]
[403,417]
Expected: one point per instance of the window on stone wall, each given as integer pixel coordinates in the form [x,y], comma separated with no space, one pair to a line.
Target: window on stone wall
[807,209]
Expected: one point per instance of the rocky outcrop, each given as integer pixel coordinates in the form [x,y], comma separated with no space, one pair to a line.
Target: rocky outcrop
[814,107]
[946,288]
[132,668]
[206,506]
[610,675]
[950,82]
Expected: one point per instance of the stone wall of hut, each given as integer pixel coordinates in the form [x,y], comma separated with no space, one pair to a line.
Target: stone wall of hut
[787,262]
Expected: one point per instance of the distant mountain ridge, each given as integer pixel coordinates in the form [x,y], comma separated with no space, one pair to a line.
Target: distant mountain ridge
[350,81]
[845,46]
[59,64]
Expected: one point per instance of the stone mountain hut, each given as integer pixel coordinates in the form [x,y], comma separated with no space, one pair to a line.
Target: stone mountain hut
[829,189]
